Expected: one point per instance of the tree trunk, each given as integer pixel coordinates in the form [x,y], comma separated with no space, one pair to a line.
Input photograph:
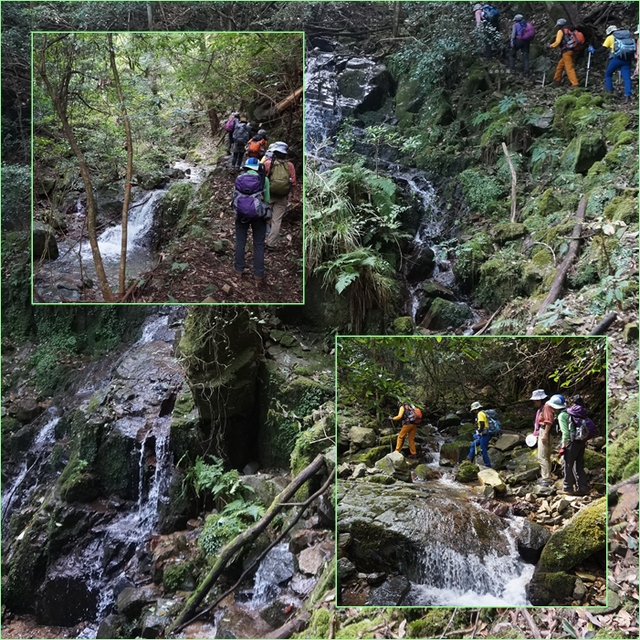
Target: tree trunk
[246,537]
[59,104]
[129,172]
[568,10]
[513,183]
[396,19]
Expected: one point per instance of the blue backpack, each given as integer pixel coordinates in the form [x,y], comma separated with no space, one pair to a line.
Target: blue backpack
[490,13]
[495,426]
[248,198]
[624,46]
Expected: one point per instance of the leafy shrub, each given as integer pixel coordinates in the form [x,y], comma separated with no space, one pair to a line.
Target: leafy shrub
[480,191]
[221,528]
[16,186]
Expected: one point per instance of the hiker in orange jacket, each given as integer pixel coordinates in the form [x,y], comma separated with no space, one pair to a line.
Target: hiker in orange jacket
[566,59]
[406,413]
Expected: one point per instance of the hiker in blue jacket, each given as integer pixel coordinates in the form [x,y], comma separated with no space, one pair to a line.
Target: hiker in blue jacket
[251,206]
[229,126]
[481,436]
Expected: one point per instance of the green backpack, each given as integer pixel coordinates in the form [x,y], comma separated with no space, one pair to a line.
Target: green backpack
[279,184]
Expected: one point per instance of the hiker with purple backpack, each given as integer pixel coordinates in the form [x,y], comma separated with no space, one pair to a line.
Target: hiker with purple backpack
[522,33]
[251,206]
[229,126]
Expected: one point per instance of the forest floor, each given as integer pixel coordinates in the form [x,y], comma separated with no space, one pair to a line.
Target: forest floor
[200,268]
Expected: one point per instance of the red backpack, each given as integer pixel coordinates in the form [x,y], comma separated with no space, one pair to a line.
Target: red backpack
[412,414]
[255,148]
[573,39]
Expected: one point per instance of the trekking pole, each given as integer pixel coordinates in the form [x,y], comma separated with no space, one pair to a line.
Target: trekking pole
[586,80]
[544,77]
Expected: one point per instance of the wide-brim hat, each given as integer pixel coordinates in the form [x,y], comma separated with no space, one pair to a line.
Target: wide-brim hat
[611,29]
[281,147]
[538,394]
[476,405]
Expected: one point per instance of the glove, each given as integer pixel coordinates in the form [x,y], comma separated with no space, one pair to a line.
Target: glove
[591,49]
[561,451]
[547,46]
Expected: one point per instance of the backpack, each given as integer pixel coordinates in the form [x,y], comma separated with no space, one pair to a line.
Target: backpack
[624,46]
[573,39]
[241,133]
[279,184]
[495,426]
[490,13]
[248,200]
[412,414]
[255,148]
[230,124]
[526,30]
[581,427]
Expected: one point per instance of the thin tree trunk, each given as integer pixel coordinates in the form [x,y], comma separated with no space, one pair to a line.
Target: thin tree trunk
[396,18]
[246,537]
[288,101]
[129,172]
[59,104]
[513,182]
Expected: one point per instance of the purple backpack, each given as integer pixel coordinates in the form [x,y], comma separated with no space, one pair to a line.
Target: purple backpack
[248,200]
[581,427]
[525,31]
[230,124]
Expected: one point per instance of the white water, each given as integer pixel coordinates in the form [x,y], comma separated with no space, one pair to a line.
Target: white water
[276,567]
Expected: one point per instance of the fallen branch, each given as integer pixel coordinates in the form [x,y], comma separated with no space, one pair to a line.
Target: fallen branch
[614,488]
[601,328]
[291,627]
[532,623]
[558,282]
[487,324]
[283,105]
[246,537]
[513,182]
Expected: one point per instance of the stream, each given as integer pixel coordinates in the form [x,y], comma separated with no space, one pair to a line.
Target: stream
[326,110]
[65,278]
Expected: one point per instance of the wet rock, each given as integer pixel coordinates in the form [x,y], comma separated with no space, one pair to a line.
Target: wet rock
[110,627]
[131,602]
[424,472]
[364,86]
[361,438]
[546,588]
[65,600]
[277,613]
[583,536]
[312,560]
[492,478]
[450,420]
[531,541]
[155,620]
[444,314]
[453,452]
[44,242]
[508,441]
[435,290]
[422,263]
[394,464]
[346,568]
[391,593]
[467,472]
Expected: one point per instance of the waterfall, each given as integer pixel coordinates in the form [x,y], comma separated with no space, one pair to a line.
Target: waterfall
[276,567]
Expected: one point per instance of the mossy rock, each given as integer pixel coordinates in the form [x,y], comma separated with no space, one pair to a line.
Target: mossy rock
[381,478]
[542,258]
[624,152]
[403,326]
[467,472]
[359,629]
[302,395]
[594,460]
[562,108]
[179,577]
[584,535]
[550,587]
[173,204]
[501,280]
[372,455]
[434,623]
[409,100]
[426,473]
[318,626]
[623,208]
[445,314]
[615,124]
[583,151]
[508,231]
[452,451]
[623,451]
[76,483]
[117,464]
[184,430]
[469,258]
[308,445]
[547,203]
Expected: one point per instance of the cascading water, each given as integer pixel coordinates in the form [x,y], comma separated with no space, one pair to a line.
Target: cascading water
[276,567]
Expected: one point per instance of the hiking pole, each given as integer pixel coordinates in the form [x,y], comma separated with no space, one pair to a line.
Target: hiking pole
[544,76]
[586,80]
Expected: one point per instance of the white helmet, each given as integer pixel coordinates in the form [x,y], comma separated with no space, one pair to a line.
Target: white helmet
[538,394]
[561,22]
[557,402]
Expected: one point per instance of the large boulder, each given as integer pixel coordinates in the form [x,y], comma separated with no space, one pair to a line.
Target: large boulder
[362,438]
[550,588]
[531,541]
[394,464]
[364,86]
[584,535]
[491,478]
[44,242]
[444,314]
[509,441]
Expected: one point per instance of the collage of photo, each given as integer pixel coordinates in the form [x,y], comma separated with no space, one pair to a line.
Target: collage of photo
[319,319]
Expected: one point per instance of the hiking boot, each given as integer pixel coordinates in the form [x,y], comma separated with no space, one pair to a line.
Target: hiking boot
[626,99]
[261,281]
[580,493]
[565,492]
[412,456]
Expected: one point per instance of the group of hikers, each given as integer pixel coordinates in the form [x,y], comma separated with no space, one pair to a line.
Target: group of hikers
[572,423]
[260,192]
[620,45]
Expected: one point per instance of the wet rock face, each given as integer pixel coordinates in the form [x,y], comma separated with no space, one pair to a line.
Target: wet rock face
[65,601]
[531,541]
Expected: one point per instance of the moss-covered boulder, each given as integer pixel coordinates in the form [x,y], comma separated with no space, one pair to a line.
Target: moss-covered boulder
[501,280]
[594,460]
[584,535]
[409,99]
[424,472]
[550,588]
[372,455]
[403,326]
[453,452]
[507,231]
[445,314]
[623,208]
[44,242]
[467,472]
[77,483]
[583,151]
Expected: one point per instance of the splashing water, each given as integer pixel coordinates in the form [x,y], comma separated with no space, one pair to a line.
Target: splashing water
[276,567]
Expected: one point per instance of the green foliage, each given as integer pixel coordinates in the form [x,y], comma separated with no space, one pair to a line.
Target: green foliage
[481,191]
[16,185]
[212,480]
[221,528]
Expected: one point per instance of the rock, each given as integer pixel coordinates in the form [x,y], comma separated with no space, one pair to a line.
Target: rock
[360,471]
[344,542]
[25,409]
[450,420]
[561,505]
[579,590]
[404,326]
[546,588]
[361,438]
[110,627]
[444,314]
[531,541]
[453,452]
[524,476]
[581,537]
[364,86]
[467,472]
[312,560]
[630,332]
[391,593]
[540,490]
[276,614]
[226,289]
[394,464]
[344,470]
[44,242]
[424,472]
[492,478]
[346,568]
[64,600]
[507,231]
[508,441]
[435,290]
[421,265]
[265,487]
[131,602]
[155,621]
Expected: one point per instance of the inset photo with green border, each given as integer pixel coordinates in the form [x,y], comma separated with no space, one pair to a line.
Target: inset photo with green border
[190,142]
[471,472]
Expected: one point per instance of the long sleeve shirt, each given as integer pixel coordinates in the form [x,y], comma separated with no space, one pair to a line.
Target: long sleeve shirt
[292,170]
[564,422]
[559,37]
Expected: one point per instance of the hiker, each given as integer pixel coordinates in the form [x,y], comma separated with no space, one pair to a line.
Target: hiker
[411,417]
[282,176]
[635,71]
[257,146]
[542,430]
[251,206]
[229,126]
[481,436]
[522,33]
[572,448]
[622,52]
[241,135]
[569,40]
[488,21]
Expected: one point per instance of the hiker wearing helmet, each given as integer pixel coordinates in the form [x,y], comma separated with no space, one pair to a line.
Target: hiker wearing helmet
[572,448]
[522,33]
[542,430]
[410,416]
[568,39]
[488,22]
[251,206]
[481,436]
[282,175]
[229,126]
[622,52]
